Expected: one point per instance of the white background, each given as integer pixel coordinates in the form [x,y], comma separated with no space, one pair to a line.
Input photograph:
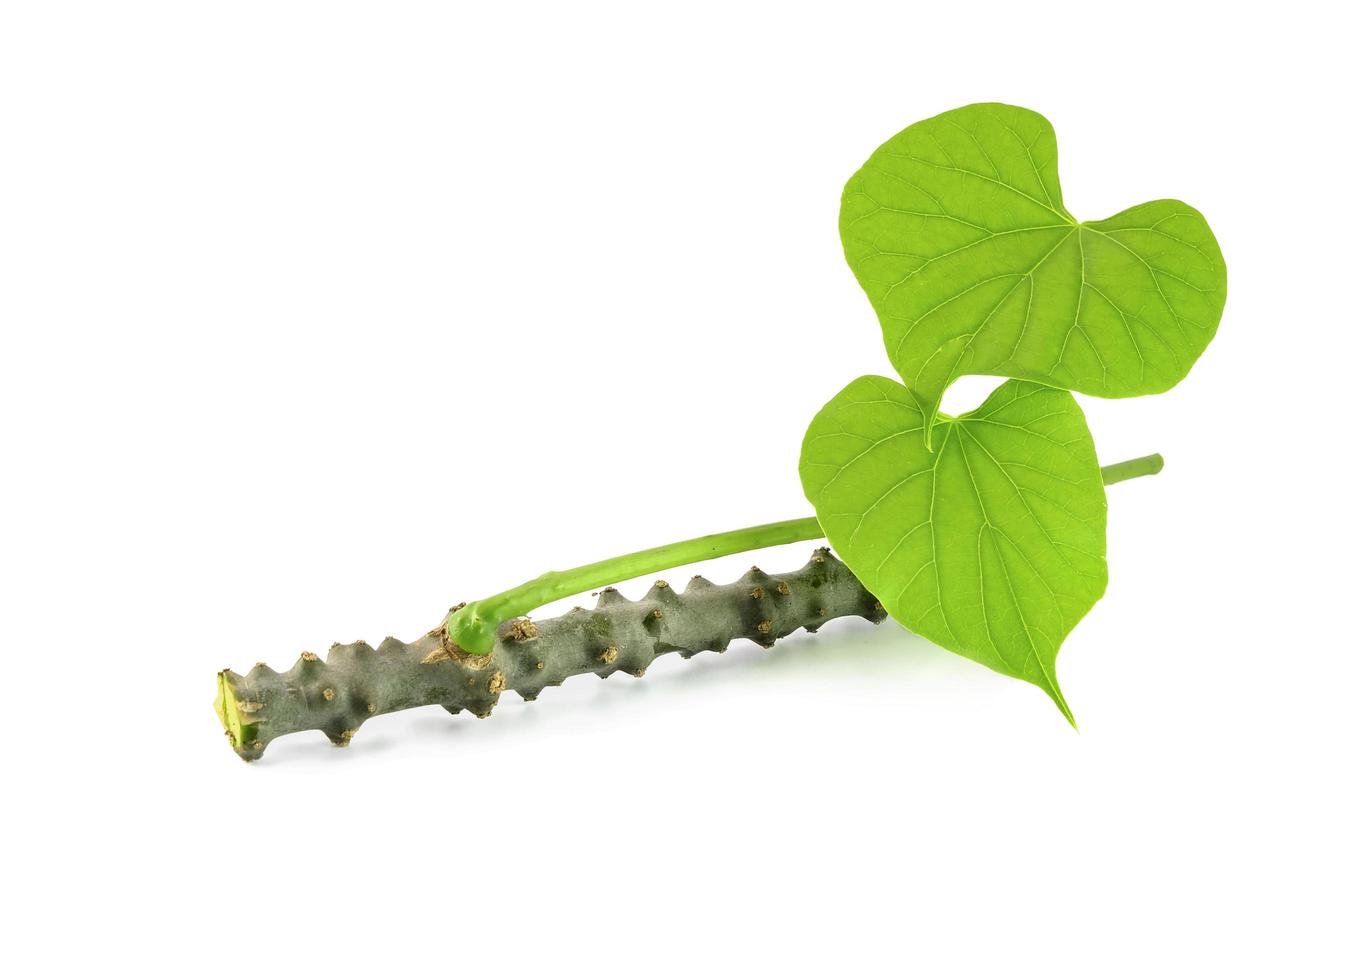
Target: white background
[319,317]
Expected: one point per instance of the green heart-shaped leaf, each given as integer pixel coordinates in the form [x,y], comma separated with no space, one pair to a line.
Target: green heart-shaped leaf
[992,544]
[957,232]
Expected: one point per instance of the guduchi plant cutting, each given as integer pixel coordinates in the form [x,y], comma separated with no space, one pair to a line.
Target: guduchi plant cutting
[984,532]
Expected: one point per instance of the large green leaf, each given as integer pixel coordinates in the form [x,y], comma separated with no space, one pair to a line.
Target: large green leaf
[957,231]
[992,544]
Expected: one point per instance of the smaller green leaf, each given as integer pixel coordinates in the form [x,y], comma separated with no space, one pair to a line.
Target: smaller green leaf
[993,544]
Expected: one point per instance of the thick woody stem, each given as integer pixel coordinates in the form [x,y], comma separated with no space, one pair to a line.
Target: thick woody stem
[358,682]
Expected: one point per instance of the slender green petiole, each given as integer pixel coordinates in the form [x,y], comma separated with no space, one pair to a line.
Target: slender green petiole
[473,627]
[1131,468]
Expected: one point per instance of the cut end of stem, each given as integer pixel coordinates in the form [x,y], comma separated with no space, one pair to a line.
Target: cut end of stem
[1131,468]
[227,709]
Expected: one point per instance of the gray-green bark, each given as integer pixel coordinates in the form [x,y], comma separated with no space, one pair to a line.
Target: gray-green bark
[358,682]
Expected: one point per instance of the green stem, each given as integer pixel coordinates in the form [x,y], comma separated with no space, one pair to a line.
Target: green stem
[1131,468]
[473,627]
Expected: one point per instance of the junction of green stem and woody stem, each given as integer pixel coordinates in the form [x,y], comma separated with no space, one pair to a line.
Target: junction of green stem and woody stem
[473,627]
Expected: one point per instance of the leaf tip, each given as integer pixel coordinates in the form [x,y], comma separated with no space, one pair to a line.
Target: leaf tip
[1053,689]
